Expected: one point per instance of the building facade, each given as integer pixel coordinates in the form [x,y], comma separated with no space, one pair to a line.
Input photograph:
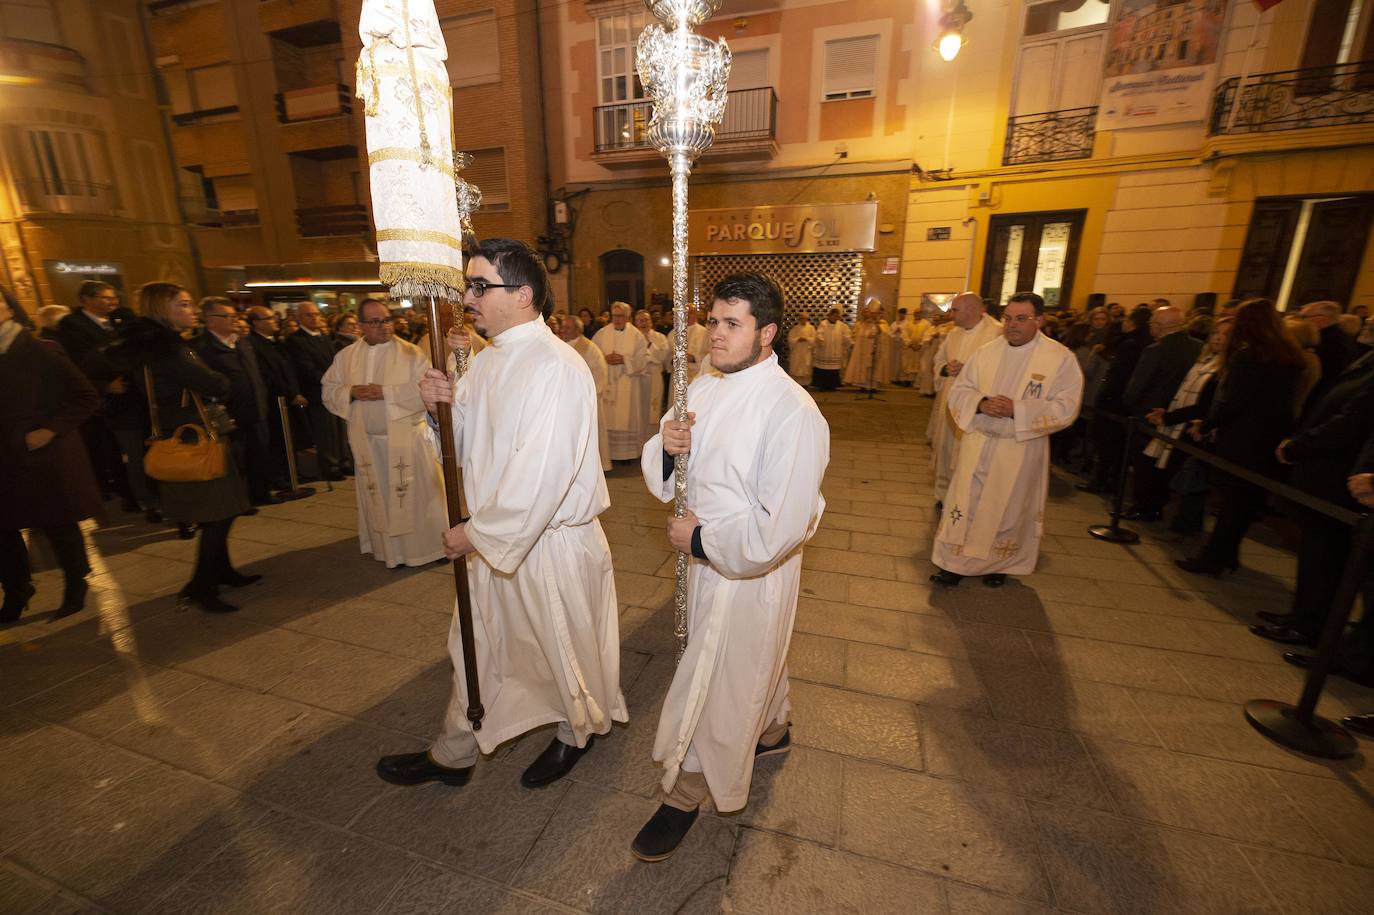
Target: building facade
[271,144]
[87,189]
[1193,150]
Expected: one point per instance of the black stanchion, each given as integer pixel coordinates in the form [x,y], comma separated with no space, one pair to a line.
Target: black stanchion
[297,491]
[1299,727]
[1114,532]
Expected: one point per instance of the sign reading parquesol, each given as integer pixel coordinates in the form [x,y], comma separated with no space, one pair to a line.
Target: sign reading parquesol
[784,229]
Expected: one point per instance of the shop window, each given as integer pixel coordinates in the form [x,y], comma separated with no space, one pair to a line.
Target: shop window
[29,20]
[1033,252]
[474,52]
[1300,250]
[851,68]
[487,171]
[616,39]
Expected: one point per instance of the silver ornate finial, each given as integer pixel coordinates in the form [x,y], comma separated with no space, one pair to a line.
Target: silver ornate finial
[686,76]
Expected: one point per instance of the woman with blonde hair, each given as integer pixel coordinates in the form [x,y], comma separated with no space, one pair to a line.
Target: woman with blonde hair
[1306,336]
[150,348]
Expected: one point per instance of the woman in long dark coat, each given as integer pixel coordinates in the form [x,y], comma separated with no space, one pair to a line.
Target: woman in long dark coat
[154,341]
[47,483]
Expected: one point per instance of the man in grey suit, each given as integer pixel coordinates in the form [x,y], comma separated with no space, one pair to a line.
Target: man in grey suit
[1157,376]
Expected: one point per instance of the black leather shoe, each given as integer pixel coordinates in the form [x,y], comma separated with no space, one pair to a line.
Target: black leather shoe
[1136,514]
[947,578]
[186,531]
[73,599]
[238,579]
[418,768]
[1278,619]
[994,579]
[664,832]
[1298,659]
[152,516]
[210,603]
[16,602]
[1284,635]
[1360,724]
[1202,566]
[556,761]
[782,746]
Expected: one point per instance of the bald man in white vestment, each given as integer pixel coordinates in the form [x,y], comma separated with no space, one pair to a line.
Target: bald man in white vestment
[570,332]
[545,619]
[627,407]
[1010,396]
[973,327]
[373,384]
[757,449]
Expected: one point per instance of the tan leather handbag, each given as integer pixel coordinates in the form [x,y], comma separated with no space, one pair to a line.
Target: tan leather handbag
[191,454]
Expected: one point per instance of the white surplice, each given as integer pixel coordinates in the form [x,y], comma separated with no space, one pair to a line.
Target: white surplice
[547,635]
[958,345]
[759,450]
[698,348]
[870,360]
[660,354]
[912,337]
[600,376]
[931,339]
[832,344]
[800,341]
[994,510]
[627,412]
[399,480]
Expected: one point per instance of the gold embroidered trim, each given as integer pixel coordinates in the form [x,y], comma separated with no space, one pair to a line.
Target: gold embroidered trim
[425,235]
[402,154]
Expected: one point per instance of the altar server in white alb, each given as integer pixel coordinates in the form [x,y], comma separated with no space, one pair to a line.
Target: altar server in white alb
[374,385]
[627,408]
[801,339]
[659,355]
[973,327]
[570,331]
[1010,396]
[833,342]
[543,595]
[698,344]
[757,449]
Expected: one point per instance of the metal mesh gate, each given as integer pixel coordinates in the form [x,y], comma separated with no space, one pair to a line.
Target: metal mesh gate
[810,283]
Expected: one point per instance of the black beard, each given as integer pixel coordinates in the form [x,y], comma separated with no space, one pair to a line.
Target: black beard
[741,366]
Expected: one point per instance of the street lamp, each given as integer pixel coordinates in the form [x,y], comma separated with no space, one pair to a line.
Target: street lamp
[952,31]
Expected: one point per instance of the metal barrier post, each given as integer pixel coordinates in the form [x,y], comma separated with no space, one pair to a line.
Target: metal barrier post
[1114,532]
[1299,727]
[297,491]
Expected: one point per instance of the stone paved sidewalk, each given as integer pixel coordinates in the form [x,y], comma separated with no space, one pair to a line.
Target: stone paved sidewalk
[1072,742]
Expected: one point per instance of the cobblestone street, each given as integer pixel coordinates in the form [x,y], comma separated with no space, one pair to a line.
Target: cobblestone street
[1072,742]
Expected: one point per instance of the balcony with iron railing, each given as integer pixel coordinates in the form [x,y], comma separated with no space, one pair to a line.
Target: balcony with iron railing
[45,196]
[1050,136]
[339,219]
[1295,99]
[748,129]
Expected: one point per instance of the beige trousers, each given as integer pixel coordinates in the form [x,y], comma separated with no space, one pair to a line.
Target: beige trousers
[690,789]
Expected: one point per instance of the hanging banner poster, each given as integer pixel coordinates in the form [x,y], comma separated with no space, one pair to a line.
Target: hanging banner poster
[1161,62]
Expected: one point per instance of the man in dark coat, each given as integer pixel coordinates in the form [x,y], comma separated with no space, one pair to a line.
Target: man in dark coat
[1151,386]
[312,353]
[1335,349]
[47,482]
[280,376]
[1323,451]
[221,349]
[1109,435]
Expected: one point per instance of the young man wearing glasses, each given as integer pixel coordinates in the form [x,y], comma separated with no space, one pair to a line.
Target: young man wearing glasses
[539,567]
[373,385]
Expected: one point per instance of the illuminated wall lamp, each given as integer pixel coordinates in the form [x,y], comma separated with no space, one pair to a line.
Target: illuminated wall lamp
[951,38]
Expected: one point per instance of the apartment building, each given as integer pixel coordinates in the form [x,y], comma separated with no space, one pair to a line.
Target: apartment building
[87,190]
[1193,149]
[271,143]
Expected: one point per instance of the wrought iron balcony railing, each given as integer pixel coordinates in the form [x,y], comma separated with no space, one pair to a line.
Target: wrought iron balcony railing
[1296,99]
[750,114]
[1050,136]
[206,116]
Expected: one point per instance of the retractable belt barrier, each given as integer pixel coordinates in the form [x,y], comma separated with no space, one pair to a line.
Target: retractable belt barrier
[1298,726]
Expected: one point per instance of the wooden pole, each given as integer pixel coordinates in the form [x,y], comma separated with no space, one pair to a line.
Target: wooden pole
[453,489]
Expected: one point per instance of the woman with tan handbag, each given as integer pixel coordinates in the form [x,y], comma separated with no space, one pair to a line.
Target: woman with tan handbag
[193,465]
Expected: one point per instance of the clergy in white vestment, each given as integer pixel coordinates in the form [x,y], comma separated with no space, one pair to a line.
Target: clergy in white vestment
[570,330]
[659,355]
[544,613]
[833,340]
[931,338]
[627,408]
[373,385]
[870,359]
[896,346]
[911,335]
[698,343]
[973,327]
[1010,396]
[801,339]
[757,449]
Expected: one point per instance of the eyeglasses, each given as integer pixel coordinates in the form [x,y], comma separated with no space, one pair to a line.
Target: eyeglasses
[377,322]
[479,288]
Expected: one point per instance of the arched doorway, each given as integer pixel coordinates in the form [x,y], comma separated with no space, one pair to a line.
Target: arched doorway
[622,278]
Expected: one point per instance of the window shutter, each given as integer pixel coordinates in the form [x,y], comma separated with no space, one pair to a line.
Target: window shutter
[488,171]
[850,65]
[749,70]
[474,54]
